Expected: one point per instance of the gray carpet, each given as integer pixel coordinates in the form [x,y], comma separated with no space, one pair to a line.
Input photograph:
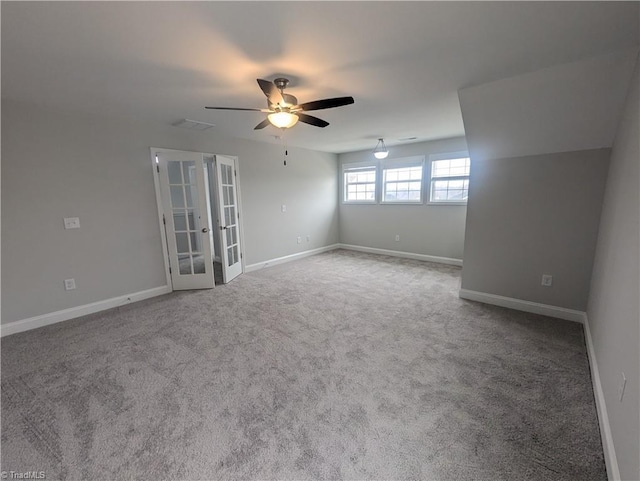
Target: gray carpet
[338,366]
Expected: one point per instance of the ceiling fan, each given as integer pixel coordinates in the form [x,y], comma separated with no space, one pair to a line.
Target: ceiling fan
[283,109]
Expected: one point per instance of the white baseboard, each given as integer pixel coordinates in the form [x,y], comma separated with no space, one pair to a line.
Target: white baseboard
[73,312]
[406,255]
[610,459]
[521,305]
[292,257]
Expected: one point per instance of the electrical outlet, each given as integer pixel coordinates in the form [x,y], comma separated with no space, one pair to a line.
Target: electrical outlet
[397,237]
[622,384]
[284,208]
[69,284]
[71,222]
[547,280]
[299,240]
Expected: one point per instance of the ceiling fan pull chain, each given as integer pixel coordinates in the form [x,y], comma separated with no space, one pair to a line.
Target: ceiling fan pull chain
[286,153]
[284,146]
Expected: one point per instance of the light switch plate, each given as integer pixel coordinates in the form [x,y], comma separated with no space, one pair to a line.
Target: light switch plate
[69,284]
[71,222]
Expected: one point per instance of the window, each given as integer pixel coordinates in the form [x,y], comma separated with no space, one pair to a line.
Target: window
[360,184]
[402,181]
[450,180]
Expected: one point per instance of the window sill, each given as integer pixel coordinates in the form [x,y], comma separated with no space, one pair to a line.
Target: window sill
[447,203]
[362,202]
[401,203]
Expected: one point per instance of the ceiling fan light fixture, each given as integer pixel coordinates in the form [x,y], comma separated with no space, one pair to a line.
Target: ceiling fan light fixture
[283,109]
[283,120]
[381,151]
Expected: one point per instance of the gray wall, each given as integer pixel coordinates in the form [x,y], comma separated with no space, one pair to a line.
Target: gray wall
[613,310]
[58,164]
[436,230]
[534,215]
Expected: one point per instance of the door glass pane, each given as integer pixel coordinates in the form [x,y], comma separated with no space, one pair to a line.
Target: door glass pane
[175,177]
[228,231]
[227,217]
[230,256]
[189,171]
[191,216]
[184,263]
[234,238]
[182,243]
[192,195]
[195,242]
[179,220]
[232,215]
[177,199]
[198,264]
[226,195]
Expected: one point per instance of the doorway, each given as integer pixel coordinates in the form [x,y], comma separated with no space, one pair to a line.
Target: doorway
[199,212]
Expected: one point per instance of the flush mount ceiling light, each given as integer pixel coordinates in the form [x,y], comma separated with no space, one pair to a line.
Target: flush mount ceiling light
[381,151]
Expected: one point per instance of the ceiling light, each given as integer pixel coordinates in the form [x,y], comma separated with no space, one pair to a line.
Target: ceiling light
[283,120]
[381,151]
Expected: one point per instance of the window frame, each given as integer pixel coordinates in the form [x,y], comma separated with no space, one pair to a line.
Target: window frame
[447,156]
[399,163]
[359,166]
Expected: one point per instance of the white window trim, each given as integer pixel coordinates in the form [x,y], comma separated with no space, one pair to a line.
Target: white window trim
[444,156]
[343,183]
[397,163]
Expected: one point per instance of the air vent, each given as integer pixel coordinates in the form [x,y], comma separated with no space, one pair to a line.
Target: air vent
[192,124]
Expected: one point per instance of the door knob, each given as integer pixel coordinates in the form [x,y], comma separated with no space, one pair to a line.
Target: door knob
[205,229]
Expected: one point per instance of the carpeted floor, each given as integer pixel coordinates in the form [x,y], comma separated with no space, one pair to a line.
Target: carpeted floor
[339,366]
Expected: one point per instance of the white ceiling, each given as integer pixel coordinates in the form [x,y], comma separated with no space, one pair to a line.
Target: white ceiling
[574,106]
[403,62]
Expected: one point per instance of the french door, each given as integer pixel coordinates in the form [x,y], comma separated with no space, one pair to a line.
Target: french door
[226,182]
[186,220]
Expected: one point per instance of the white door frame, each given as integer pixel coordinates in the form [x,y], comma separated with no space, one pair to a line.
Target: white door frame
[163,232]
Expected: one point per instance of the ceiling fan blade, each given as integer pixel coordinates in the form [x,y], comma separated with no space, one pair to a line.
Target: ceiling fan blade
[262,124]
[325,104]
[271,91]
[311,120]
[233,108]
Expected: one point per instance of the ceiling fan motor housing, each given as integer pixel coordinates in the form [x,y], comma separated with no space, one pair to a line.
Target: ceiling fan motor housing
[289,100]
[281,83]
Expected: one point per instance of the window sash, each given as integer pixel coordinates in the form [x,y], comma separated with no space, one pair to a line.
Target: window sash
[464,190]
[446,176]
[406,189]
[365,169]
